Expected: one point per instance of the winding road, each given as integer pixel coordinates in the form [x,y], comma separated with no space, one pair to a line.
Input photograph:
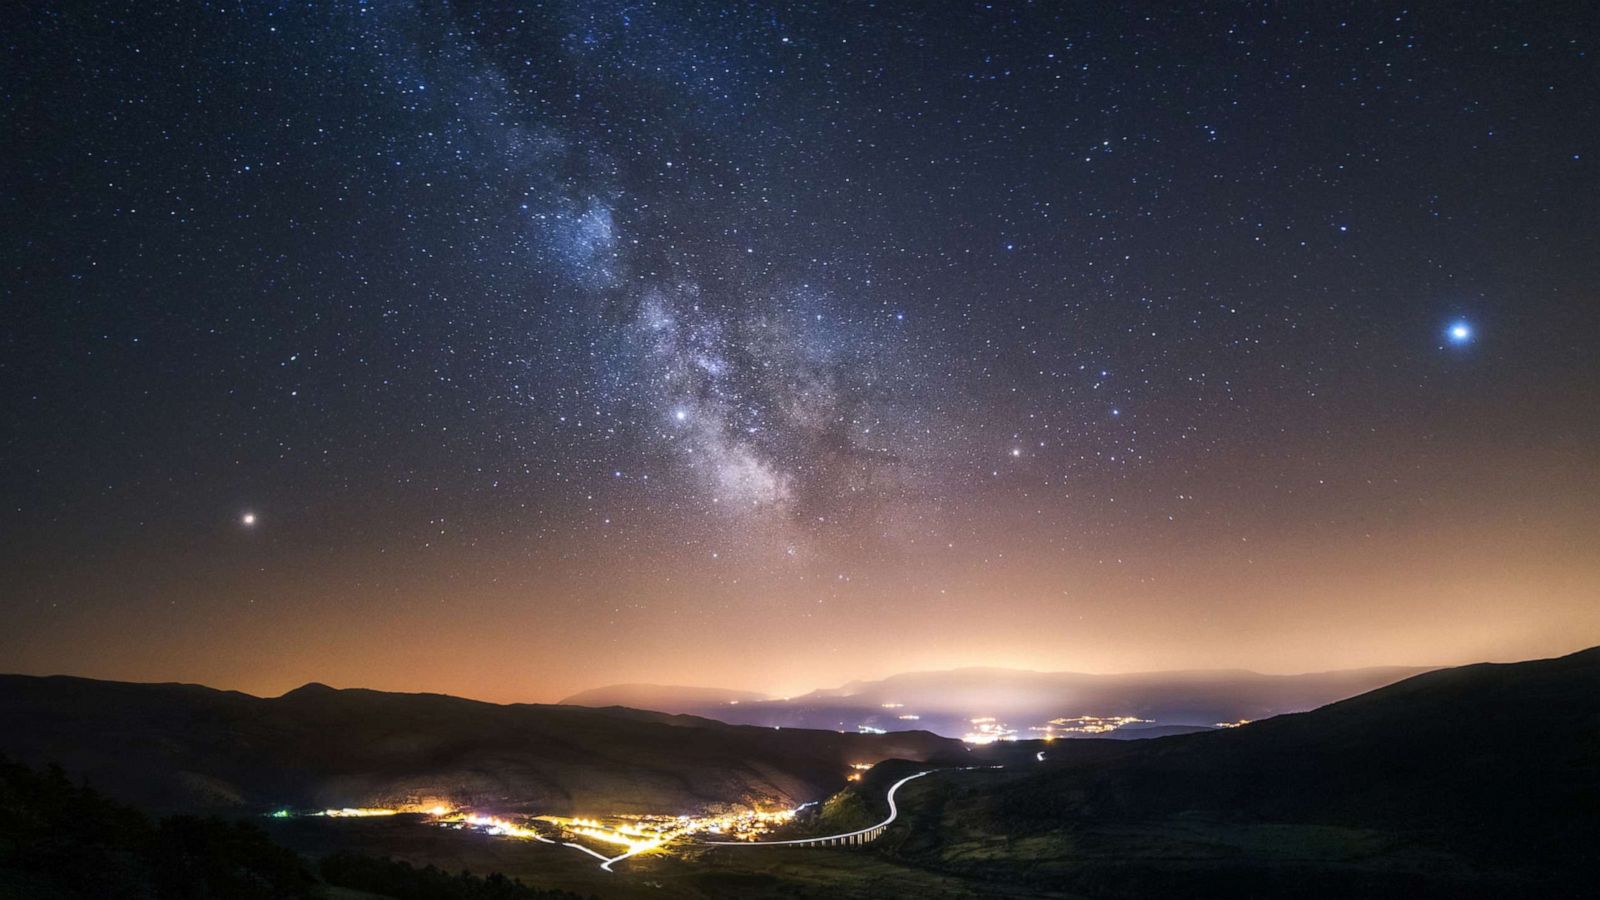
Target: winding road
[862,836]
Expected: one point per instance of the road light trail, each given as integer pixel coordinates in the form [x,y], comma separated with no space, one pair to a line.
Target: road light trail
[605,861]
[865,835]
[894,812]
[639,849]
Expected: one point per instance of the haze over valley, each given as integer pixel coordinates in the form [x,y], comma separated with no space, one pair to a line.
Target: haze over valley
[985,705]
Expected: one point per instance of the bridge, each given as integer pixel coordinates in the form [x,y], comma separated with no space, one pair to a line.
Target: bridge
[863,836]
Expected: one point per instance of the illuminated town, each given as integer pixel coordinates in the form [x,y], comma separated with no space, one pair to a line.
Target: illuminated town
[987,730]
[634,834]
[1086,725]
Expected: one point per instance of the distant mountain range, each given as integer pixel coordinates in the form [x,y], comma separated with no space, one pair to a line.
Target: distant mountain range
[1022,704]
[187,747]
[661,697]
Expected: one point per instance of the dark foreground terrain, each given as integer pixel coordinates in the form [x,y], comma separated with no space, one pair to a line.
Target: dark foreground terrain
[1480,781]
[59,840]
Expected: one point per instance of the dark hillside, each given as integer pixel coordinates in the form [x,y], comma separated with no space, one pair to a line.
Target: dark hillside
[1482,781]
[181,747]
[1502,759]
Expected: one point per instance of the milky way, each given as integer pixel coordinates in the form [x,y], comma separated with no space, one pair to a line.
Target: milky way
[645,278]
[1054,335]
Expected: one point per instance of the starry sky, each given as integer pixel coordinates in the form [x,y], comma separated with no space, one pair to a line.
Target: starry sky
[507,349]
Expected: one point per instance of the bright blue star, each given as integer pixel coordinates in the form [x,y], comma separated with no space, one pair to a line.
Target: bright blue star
[1459,332]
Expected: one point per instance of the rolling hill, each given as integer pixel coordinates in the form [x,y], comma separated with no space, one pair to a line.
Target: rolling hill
[186,747]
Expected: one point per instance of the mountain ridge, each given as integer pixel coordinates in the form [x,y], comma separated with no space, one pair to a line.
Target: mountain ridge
[194,748]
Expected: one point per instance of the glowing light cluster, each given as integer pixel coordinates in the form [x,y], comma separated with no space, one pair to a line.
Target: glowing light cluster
[987,730]
[1087,725]
[747,825]
[634,843]
[637,833]
[499,827]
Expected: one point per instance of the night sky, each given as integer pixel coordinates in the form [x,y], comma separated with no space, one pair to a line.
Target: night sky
[506,350]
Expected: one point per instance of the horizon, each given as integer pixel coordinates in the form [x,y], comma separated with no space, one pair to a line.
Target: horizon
[271,693]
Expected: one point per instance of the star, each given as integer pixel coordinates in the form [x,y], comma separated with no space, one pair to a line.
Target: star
[248,520]
[1459,332]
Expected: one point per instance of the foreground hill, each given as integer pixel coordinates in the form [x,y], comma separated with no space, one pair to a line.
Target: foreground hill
[1477,781]
[186,747]
[61,841]
[946,702]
